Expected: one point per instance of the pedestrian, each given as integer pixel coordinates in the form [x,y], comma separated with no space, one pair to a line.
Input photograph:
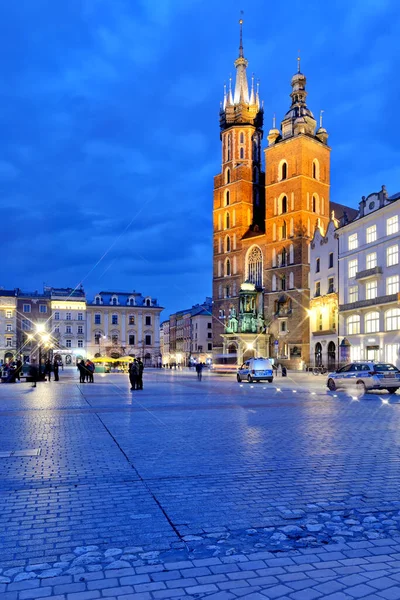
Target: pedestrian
[47,369]
[90,370]
[33,373]
[199,369]
[140,374]
[133,375]
[82,371]
[19,369]
[55,370]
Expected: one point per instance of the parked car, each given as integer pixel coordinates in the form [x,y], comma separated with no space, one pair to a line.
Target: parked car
[366,376]
[255,369]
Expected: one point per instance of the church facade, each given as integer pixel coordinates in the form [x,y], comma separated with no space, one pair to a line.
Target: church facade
[264,222]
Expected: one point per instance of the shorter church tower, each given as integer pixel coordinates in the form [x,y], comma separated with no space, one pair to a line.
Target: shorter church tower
[239,206]
[297,202]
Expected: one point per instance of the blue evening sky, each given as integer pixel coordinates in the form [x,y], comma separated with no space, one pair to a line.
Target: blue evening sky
[110,136]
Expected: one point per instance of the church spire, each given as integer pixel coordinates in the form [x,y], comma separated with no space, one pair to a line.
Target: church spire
[241,87]
[299,118]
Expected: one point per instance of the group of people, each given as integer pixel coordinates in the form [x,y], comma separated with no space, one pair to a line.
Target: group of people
[136,374]
[11,371]
[86,371]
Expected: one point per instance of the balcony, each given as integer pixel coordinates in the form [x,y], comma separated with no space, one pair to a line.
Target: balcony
[368,273]
[368,303]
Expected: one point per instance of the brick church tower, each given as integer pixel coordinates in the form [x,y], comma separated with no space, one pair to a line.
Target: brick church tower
[239,212]
[297,201]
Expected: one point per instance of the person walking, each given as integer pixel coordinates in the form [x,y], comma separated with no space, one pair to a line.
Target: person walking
[19,369]
[33,373]
[55,370]
[199,369]
[47,369]
[90,370]
[140,374]
[133,375]
[82,371]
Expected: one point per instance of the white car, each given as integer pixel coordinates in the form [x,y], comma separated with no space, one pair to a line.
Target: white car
[366,376]
[255,369]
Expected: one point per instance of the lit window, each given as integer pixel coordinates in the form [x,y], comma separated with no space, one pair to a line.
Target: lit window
[353,266]
[9,327]
[114,320]
[353,293]
[26,308]
[131,319]
[353,241]
[371,261]
[8,342]
[392,284]
[371,290]
[371,234]
[392,255]
[68,343]
[392,225]
[371,322]
[80,343]
[353,325]
[392,319]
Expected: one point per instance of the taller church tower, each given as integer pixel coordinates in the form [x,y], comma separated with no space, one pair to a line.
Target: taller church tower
[239,211]
[297,201]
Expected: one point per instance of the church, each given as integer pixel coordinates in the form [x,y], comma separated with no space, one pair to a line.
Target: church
[263,223]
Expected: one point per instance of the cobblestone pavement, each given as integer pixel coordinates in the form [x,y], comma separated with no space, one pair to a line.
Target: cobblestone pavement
[194,489]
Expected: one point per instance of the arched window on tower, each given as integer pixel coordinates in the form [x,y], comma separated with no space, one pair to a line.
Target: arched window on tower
[228,244]
[291,228]
[227,221]
[273,257]
[254,266]
[315,169]
[291,254]
[284,171]
[284,257]
[283,283]
[274,282]
[314,204]
[241,152]
[227,176]
[241,137]
[255,149]
[227,198]
[284,204]
[229,150]
[227,267]
[291,281]
[284,231]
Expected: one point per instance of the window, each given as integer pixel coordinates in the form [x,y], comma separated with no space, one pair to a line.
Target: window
[227,221]
[353,293]
[315,169]
[209,346]
[283,326]
[68,316]
[8,342]
[227,198]
[80,328]
[114,301]
[392,352]
[68,329]
[57,329]
[148,302]
[97,337]
[241,137]
[26,308]
[26,325]
[148,321]
[330,264]
[283,283]
[317,265]
[227,267]
[331,286]
[353,266]
[98,300]
[131,302]
[392,284]
[42,308]
[371,322]
[131,339]
[371,289]
[371,234]
[284,204]
[229,150]
[227,176]
[392,319]
[314,207]
[353,241]
[284,171]
[392,225]
[320,321]
[392,255]
[148,340]
[228,244]
[371,260]
[283,231]
[353,325]
[291,281]
[68,343]
[9,327]
[97,319]
[114,320]
[80,343]
[209,334]
[131,319]
[242,152]
[56,316]
[209,325]
[317,288]
[80,316]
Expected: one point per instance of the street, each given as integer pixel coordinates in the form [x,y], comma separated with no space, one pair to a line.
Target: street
[198,489]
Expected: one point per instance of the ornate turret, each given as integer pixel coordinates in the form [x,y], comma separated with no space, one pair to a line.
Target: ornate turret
[299,118]
[241,107]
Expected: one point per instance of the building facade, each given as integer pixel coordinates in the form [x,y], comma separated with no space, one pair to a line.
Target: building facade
[264,223]
[68,324]
[34,326]
[124,323]
[8,325]
[324,297]
[369,281]
[188,336]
